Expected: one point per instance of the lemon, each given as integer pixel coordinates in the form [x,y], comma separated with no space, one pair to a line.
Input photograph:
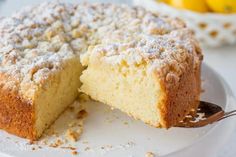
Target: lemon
[199,6]
[222,6]
[164,1]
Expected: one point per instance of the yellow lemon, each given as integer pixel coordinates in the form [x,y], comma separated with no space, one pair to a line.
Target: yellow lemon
[199,6]
[164,1]
[222,6]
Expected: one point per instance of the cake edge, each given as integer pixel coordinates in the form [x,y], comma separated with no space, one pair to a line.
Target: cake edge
[17,115]
[187,91]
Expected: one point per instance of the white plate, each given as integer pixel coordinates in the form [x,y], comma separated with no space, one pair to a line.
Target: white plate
[111,133]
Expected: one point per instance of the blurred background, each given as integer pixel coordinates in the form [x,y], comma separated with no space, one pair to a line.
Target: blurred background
[213,21]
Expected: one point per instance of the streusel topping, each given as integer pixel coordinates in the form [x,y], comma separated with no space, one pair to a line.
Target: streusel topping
[37,41]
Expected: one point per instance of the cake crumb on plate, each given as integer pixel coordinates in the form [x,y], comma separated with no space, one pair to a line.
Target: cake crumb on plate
[150,154]
[73,135]
[82,114]
[74,152]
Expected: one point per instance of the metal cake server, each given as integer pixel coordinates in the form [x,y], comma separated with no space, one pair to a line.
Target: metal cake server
[207,113]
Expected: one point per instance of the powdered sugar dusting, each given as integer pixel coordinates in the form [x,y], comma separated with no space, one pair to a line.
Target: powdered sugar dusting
[37,41]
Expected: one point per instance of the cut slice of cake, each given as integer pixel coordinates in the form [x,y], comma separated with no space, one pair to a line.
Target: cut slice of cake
[154,79]
[146,65]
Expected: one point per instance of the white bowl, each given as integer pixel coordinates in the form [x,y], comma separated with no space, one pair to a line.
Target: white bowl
[211,29]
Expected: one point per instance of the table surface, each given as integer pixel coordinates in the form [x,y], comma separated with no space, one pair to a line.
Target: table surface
[222,59]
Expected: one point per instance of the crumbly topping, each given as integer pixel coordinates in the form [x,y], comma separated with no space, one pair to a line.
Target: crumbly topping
[37,41]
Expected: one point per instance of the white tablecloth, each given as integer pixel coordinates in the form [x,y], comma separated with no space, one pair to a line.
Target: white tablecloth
[223,59]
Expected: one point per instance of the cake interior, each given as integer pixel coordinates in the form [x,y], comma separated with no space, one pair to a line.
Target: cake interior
[59,90]
[129,89]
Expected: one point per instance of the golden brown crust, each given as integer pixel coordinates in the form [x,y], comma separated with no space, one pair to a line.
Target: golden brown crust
[180,98]
[16,114]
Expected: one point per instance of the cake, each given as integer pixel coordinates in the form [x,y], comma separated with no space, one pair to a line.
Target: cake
[144,64]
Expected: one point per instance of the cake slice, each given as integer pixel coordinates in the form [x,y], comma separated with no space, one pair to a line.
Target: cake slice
[154,79]
[146,65]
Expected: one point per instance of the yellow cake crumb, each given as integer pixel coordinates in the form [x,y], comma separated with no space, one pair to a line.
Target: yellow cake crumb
[73,135]
[150,154]
[82,114]
[74,152]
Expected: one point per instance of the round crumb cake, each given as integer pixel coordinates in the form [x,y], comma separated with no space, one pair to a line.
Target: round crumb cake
[144,64]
